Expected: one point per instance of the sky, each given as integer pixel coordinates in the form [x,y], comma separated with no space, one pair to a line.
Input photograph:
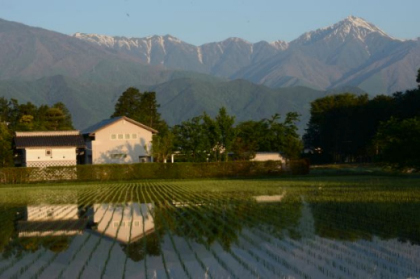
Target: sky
[199,21]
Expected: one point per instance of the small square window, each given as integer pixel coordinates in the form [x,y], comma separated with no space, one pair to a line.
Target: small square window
[127,136]
[114,136]
[120,136]
[134,136]
[136,223]
[115,224]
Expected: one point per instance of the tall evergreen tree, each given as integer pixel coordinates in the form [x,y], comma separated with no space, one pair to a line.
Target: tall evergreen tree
[141,107]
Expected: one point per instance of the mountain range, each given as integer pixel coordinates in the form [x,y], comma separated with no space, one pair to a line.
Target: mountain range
[88,72]
[351,52]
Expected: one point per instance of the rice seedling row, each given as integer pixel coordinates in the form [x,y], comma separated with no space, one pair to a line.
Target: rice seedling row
[24,268]
[130,229]
[392,255]
[241,261]
[175,194]
[217,228]
[211,202]
[130,188]
[85,198]
[110,192]
[204,227]
[143,230]
[147,196]
[98,242]
[269,240]
[279,260]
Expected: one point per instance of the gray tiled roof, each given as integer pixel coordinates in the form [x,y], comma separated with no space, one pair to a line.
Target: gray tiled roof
[78,224]
[49,139]
[100,125]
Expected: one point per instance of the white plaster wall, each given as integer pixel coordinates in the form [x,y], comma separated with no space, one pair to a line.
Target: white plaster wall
[58,154]
[103,146]
[268,157]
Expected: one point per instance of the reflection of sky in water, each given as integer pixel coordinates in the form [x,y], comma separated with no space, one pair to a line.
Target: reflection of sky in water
[128,239]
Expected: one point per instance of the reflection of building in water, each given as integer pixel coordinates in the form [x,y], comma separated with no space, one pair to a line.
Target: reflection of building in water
[269,199]
[51,220]
[123,222]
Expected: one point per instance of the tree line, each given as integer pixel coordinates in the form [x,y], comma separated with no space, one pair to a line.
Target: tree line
[351,128]
[205,138]
[28,117]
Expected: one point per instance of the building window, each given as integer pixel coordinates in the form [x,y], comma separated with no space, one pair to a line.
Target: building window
[120,136]
[114,136]
[127,136]
[134,136]
[136,223]
[144,159]
[48,152]
[118,156]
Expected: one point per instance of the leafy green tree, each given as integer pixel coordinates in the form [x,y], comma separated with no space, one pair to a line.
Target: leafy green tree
[6,153]
[54,119]
[221,134]
[26,123]
[248,139]
[398,142]
[332,125]
[291,145]
[4,110]
[418,76]
[67,123]
[227,133]
[163,145]
[191,139]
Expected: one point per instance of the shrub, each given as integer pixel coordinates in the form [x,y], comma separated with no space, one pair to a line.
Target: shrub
[152,171]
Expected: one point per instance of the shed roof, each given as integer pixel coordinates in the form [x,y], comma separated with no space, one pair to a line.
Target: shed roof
[107,122]
[49,139]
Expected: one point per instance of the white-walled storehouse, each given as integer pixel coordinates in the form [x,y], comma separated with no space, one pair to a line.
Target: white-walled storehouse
[49,148]
[118,140]
[268,156]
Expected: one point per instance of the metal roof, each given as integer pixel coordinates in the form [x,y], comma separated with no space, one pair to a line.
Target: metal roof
[107,122]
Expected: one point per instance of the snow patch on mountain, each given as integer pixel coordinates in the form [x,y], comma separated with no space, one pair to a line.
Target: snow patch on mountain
[199,55]
[280,45]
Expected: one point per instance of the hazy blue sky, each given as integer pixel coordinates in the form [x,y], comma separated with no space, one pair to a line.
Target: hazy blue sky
[199,22]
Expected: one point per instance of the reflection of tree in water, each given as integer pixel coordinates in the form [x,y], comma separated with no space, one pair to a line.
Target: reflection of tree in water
[148,245]
[223,221]
[55,244]
[7,229]
[280,218]
[8,233]
[353,221]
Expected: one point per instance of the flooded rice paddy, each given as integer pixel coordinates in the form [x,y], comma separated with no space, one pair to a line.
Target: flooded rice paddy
[360,228]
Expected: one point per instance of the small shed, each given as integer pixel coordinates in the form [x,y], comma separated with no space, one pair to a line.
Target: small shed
[49,148]
[269,156]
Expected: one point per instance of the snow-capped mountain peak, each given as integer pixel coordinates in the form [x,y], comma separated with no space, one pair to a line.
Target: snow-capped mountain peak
[350,28]
[358,23]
